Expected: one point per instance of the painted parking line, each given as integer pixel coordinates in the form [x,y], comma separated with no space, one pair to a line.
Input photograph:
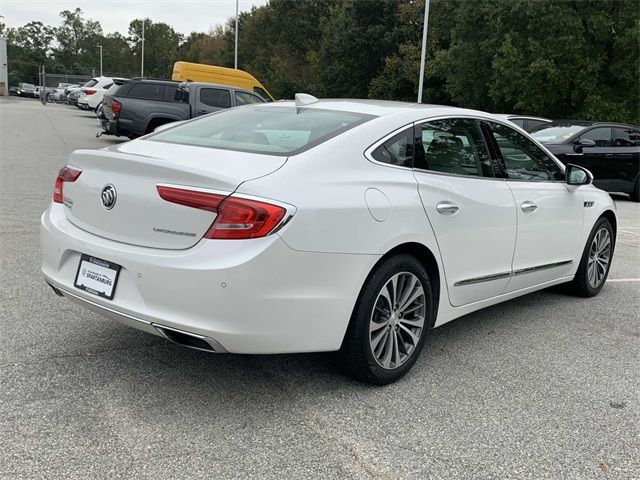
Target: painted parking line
[622,280]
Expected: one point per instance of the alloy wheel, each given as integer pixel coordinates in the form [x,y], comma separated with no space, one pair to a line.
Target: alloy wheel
[599,257]
[397,320]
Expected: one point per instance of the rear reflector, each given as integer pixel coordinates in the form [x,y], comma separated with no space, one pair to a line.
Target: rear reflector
[66,174]
[237,218]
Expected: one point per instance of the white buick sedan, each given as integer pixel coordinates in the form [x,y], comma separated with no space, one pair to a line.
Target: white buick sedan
[332,225]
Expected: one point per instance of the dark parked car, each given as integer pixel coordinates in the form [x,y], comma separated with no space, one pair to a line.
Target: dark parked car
[141,105]
[611,151]
[524,121]
[26,90]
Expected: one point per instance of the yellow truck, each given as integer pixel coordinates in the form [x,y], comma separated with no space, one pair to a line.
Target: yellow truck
[200,72]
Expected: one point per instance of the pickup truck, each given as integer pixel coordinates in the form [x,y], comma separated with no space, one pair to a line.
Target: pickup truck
[139,106]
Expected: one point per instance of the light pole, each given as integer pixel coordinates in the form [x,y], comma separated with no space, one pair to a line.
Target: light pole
[424,48]
[100,47]
[236,52]
[142,61]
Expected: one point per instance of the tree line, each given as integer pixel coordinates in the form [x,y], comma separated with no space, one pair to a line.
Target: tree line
[553,58]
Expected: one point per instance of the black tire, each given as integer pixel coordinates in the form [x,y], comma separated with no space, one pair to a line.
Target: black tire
[580,285]
[355,355]
[635,195]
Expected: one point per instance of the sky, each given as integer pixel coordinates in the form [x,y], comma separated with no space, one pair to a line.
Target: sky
[114,15]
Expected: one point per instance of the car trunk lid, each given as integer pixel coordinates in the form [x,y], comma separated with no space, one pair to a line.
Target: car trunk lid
[133,171]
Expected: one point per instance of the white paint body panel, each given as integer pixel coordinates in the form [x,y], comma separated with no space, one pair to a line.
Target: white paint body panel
[294,291]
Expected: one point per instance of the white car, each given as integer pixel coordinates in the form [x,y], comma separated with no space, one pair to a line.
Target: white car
[92,92]
[320,226]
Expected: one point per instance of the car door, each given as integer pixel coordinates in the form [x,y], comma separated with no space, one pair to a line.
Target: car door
[472,213]
[211,100]
[550,212]
[626,146]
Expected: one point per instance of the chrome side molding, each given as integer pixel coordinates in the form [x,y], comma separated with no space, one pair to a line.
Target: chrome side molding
[513,273]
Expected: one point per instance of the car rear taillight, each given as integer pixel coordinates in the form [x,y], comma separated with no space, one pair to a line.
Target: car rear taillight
[191,198]
[66,174]
[116,107]
[238,218]
[90,91]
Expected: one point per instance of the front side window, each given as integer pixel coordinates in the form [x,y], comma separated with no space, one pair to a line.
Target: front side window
[602,136]
[453,146]
[523,159]
[244,98]
[398,150]
[214,97]
[626,137]
[269,129]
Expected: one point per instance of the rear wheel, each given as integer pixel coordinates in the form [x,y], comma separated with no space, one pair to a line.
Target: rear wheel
[390,322]
[595,262]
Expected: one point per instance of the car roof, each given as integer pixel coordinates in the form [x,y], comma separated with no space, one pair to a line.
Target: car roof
[382,108]
[509,116]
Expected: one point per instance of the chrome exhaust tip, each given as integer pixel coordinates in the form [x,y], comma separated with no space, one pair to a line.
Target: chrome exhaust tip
[189,340]
[55,290]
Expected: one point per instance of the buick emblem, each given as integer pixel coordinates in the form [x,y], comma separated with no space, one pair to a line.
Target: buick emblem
[109,196]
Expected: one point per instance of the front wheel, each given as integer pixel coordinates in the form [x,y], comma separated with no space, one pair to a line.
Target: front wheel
[390,322]
[596,261]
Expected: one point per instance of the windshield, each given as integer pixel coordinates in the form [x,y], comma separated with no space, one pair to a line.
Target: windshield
[276,130]
[555,133]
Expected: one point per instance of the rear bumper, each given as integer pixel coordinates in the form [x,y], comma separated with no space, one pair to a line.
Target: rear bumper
[113,127]
[252,296]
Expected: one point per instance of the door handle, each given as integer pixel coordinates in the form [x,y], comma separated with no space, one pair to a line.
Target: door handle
[447,208]
[528,207]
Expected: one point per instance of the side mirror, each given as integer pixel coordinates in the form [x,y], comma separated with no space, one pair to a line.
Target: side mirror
[584,143]
[577,175]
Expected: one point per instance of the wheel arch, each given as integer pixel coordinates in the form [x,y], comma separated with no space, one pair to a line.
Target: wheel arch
[428,260]
[611,216]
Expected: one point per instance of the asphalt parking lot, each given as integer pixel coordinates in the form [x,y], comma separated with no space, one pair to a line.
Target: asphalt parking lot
[545,386]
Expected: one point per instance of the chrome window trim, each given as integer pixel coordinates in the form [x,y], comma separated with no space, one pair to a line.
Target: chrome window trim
[506,123]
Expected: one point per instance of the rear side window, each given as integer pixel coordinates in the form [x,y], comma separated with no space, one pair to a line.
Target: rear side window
[523,159]
[244,98]
[276,130]
[262,93]
[147,91]
[398,150]
[602,136]
[214,97]
[453,146]
[626,137]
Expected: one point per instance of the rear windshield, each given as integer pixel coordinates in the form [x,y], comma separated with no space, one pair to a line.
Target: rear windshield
[554,133]
[271,130]
[91,83]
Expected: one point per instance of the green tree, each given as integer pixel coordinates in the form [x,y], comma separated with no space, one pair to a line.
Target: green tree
[77,40]
[161,43]
[357,36]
